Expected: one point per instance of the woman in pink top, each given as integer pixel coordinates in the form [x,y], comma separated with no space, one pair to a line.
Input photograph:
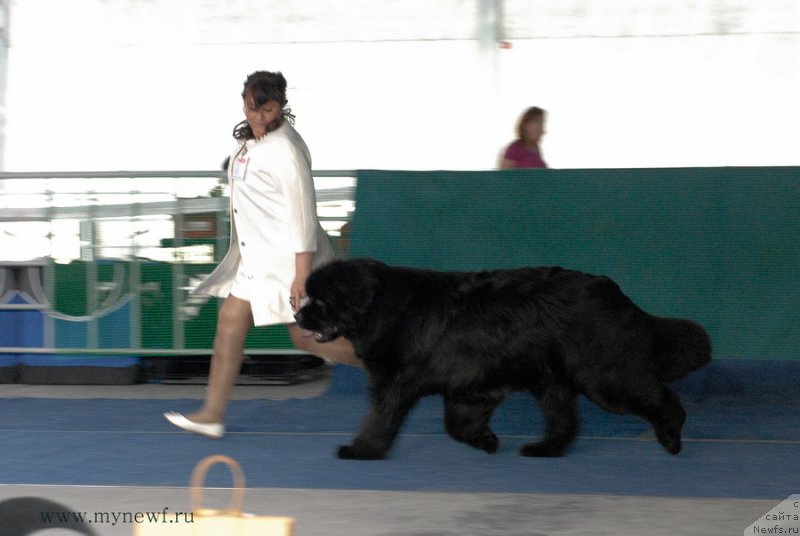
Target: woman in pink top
[524,151]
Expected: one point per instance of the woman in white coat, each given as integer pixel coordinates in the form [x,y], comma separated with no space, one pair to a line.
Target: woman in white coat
[276,240]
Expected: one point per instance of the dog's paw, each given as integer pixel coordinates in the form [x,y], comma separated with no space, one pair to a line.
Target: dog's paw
[670,442]
[349,452]
[543,449]
[489,443]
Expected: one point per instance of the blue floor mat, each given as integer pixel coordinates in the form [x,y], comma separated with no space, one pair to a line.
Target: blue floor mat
[742,440]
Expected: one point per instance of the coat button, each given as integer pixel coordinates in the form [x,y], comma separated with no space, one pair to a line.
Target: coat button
[242,243]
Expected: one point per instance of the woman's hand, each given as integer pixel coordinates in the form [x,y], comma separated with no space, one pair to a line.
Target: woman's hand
[302,270]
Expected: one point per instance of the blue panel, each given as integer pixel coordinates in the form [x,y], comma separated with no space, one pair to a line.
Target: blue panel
[70,333]
[8,360]
[8,328]
[114,328]
[65,360]
[30,329]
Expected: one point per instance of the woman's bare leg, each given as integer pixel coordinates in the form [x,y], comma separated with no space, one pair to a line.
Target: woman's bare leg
[339,350]
[233,323]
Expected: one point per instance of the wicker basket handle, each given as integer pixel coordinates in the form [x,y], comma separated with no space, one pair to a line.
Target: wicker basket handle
[199,478]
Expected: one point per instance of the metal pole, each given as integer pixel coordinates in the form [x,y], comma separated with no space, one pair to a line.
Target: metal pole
[5,11]
[490,23]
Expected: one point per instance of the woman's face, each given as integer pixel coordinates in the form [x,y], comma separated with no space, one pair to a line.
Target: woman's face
[533,129]
[260,117]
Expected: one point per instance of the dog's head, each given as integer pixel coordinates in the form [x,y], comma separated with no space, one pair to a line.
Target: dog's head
[340,294]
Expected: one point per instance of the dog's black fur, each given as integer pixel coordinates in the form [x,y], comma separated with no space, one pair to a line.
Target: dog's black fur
[471,337]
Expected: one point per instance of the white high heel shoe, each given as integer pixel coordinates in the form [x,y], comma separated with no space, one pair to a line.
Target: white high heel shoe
[213,430]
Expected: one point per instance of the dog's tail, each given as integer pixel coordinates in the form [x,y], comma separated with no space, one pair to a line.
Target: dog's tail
[680,347]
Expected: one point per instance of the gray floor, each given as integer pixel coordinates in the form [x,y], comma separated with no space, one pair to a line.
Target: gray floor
[381,513]
[157,391]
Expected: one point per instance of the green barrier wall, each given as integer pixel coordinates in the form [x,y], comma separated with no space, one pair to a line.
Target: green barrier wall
[157,310]
[719,245]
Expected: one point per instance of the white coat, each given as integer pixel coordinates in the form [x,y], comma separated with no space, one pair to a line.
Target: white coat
[273,217]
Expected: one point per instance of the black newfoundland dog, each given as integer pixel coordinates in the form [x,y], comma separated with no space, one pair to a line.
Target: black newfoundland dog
[472,337]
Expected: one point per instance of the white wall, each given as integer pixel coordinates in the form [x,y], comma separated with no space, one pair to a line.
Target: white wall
[85,95]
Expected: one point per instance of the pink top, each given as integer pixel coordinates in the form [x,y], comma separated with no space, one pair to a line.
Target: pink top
[524,158]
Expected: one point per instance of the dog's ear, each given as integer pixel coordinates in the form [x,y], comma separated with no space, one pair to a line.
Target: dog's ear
[361,285]
[345,285]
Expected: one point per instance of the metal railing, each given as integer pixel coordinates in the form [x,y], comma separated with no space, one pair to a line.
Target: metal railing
[85,248]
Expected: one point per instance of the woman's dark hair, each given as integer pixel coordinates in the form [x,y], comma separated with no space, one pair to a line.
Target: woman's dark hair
[531,113]
[262,87]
